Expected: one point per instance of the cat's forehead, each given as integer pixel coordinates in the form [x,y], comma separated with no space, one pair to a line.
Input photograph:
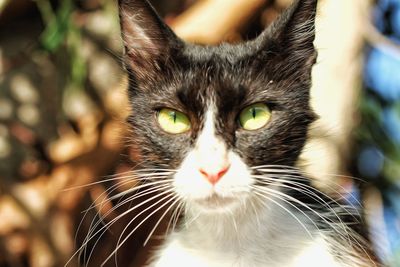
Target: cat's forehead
[228,52]
[218,93]
[216,70]
[225,78]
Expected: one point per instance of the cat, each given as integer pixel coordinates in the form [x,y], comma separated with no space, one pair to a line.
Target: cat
[218,131]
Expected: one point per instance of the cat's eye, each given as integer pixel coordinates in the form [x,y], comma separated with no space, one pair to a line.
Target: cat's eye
[254,117]
[173,121]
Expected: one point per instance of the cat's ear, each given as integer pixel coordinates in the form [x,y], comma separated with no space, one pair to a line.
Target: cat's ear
[147,39]
[291,37]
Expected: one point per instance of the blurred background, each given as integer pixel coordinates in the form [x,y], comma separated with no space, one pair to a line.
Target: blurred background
[63,105]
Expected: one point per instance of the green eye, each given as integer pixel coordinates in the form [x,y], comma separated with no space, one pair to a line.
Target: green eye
[173,121]
[254,117]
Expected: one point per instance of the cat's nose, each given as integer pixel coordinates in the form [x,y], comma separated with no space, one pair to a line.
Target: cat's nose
[214,176]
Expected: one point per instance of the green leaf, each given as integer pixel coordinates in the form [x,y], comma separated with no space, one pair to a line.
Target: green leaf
[58,27]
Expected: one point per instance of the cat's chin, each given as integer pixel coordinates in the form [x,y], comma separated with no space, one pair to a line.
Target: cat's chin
[218,204]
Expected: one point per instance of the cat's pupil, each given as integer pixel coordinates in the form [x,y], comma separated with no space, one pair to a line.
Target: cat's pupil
[174,116]
[254,112]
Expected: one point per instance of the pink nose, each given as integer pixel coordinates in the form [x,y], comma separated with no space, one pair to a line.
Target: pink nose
[214,177]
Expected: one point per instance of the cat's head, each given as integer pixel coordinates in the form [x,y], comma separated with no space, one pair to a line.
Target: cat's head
[213,114]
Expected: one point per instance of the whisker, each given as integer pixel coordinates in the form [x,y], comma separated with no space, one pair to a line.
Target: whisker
[150,191]
[324,203]
[108,191]
[285,209]
[159,221]
[134,175]
[256,214]
[282,197]
[94,225]
[91,235]
[153,185]
[172,221]
[120,243]
[310,191]
[323,218]
[136,216]
[295,173]
[299,178]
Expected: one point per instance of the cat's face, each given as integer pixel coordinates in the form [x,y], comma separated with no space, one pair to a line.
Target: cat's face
[215,114]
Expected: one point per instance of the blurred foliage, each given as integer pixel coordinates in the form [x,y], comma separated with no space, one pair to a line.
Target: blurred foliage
[378,135]
[62,30]
[59,24]
[60,77]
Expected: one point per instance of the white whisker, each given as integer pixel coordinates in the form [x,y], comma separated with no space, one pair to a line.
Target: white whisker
[285,209]
[92,233]
[136,216]
[159,221]
[120,243]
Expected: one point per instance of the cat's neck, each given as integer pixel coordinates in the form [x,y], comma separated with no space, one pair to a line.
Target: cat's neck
[252,222]
[252,235]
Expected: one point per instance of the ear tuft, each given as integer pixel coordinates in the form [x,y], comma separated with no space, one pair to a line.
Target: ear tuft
[147,39]
[292,35]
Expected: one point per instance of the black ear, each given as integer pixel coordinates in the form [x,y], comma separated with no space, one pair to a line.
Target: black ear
[147,39]
[290,39]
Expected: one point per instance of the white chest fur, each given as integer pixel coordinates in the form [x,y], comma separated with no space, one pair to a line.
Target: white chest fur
[274,240]
[314,255]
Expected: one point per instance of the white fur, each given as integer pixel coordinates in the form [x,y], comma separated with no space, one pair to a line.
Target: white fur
[276,240]
[210,154]
[226,225]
